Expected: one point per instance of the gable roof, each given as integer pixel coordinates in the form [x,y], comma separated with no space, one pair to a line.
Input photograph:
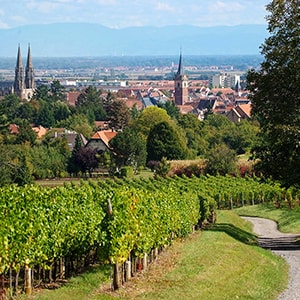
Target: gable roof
[104,135]
[244,109]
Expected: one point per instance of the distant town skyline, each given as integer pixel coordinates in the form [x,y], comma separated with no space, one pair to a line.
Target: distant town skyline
[121,13]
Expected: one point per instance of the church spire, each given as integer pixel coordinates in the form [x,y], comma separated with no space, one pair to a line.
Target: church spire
[19,76]
[29,74]
[180,84]
[180,65]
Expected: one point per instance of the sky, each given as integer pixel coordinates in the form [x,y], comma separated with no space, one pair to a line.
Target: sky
[128,13]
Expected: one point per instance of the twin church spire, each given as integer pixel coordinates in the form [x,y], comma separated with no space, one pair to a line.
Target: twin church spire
[24,85]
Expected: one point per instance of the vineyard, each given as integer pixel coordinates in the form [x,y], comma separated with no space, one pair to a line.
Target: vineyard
[48,234]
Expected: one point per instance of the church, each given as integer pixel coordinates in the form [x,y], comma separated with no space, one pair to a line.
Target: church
[181,85]
[24,85]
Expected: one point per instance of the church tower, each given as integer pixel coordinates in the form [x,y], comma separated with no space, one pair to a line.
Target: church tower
[24,86]
[181,84]
[19,75]
[29,75]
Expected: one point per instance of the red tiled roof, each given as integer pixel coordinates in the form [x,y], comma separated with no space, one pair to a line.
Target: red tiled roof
[40,131]
[72,97]
[104,135]
[246,108]
[13,128]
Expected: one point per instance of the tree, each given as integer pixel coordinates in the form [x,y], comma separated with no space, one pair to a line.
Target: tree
[72,167]
[171,109]
[57,91]
[25,134]
[164,141]
[221,160]
[118,115]
[196,142]
[275,95]
[87,160]
[129,148]
[90,103]
[149,117]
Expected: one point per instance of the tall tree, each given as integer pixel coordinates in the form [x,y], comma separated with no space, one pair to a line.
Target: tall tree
[118,115]
[129,148]
[90,103]
[149,117]
[275,94]
[164,141]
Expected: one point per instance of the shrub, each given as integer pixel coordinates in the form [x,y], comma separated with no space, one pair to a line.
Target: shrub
[126,172]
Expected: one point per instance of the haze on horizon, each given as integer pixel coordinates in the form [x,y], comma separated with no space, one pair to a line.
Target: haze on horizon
[134,13]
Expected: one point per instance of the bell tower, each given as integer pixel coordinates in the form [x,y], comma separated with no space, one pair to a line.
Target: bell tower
[181,84]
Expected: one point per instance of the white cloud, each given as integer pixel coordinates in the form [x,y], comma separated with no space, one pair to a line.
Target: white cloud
[161,6]
[42,6]
[225,7]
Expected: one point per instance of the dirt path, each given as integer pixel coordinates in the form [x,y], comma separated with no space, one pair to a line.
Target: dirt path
[282,244]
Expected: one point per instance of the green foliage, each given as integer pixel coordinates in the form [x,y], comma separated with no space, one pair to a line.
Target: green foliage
[47,162]
[275,95]
[163,168]
[221,160]
[164,141]
[149,117]
[14,166]
[171,109]
[126,172]
[129,149]
[118,115]
[115,218]
[89,102]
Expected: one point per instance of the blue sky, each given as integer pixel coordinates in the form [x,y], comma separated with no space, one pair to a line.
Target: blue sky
[127,13]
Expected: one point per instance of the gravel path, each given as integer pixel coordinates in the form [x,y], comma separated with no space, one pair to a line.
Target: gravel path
[267,230]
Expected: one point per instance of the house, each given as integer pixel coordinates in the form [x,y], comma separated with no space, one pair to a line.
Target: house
[39,130]
[238,113]
[13,128]
[100,140]
[69,135]
[72,97]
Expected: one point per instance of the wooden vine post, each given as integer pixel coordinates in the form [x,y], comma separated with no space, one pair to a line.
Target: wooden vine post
[117,283]
[28,285]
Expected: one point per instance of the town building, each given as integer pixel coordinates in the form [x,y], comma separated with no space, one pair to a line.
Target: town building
[225,80]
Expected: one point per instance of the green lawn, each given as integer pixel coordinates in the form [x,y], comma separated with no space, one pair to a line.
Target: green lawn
[222,262]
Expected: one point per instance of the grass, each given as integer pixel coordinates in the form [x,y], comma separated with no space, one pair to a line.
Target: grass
[77,180]
[288,220]
[221,262]
[82,287]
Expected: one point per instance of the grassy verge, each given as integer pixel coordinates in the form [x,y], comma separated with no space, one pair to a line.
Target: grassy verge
[288,220]
[218,263]
[214,265]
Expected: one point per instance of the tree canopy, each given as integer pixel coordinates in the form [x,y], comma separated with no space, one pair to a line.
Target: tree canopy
[275,94]
[164,141]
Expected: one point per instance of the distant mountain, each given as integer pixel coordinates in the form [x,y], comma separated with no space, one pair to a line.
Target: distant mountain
[82,40]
